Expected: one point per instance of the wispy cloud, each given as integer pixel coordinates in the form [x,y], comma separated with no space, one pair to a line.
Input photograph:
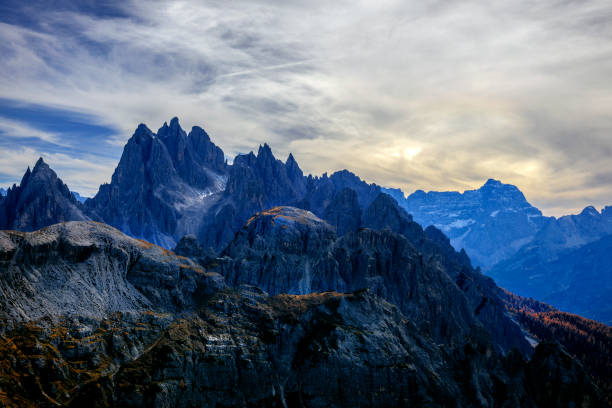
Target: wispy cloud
[13,129]
[432,95]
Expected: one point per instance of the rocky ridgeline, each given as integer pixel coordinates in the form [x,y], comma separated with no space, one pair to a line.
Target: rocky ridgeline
[157,330]
[363,306]
[288,250]
[170,184]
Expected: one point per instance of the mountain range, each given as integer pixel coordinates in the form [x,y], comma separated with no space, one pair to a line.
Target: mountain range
[281,290]
[524,251]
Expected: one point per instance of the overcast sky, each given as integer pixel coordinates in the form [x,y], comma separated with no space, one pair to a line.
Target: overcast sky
[433,95]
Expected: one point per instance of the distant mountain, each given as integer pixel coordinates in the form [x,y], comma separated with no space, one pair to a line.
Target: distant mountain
[547,258]
[284,290]
[490,223]
[41,199]
[78,197]
[2,192]
[568,264]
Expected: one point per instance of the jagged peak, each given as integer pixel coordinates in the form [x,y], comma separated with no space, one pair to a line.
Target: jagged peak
[172,130]
[39,162]
[290,160]
[264,151]
[590,210]
[142,130]
[493,182]
[197,130]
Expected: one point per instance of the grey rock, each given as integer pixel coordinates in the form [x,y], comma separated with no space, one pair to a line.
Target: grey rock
[149,329]
[91,269]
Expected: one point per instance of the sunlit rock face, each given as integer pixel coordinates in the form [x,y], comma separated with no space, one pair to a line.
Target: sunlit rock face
[90,269]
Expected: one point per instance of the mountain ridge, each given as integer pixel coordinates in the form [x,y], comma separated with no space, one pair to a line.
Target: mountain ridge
[236,345]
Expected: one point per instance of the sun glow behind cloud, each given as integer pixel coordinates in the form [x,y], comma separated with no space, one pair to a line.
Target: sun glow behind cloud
[431,95]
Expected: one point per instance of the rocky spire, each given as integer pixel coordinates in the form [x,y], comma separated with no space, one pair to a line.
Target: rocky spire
[40,200]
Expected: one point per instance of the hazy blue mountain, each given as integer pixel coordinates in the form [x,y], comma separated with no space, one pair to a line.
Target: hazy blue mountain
[78,197]
[2,192]
[490,223]
[547,258]
[41,199]
[568,264]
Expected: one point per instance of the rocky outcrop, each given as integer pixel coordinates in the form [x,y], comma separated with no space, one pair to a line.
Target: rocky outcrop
[480,291]
[189,247]
[246,348]
[91,270]
[41,199]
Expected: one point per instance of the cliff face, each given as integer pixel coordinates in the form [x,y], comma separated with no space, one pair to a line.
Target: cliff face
[491,223]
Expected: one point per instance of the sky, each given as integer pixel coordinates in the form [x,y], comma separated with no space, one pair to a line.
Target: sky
[432,95]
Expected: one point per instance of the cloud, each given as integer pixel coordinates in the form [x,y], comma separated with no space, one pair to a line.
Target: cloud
[14,129]
[430,95]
